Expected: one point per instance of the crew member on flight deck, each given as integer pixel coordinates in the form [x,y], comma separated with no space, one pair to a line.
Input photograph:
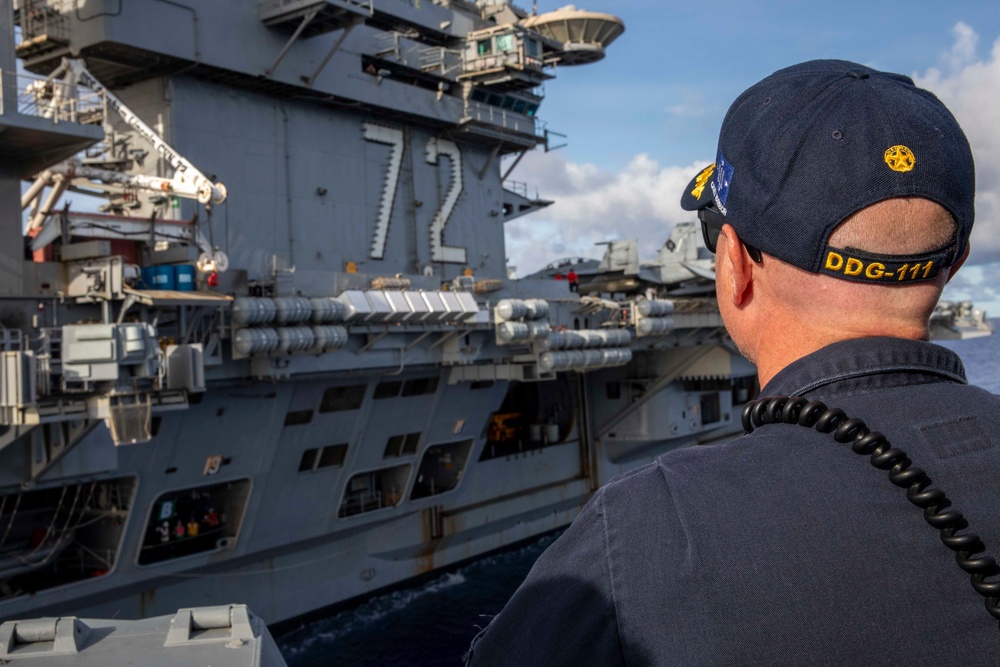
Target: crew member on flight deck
[839,204]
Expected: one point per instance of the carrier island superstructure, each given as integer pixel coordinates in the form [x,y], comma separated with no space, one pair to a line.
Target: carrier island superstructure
[281,362]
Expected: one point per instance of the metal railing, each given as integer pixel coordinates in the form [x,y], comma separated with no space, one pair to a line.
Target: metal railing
[202,325]
[361,502]
[41,18]
[516,59]
[52,99]
[387,44]
[509,120]
[520,188]
[269,6]
[440,59]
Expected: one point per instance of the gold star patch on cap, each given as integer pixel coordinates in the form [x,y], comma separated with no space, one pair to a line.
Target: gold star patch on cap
[900,158]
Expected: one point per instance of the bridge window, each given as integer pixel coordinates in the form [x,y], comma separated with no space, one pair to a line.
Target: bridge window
[506,43]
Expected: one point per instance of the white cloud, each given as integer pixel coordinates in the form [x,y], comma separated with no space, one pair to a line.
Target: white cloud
[969,87]
[641,202]
[691,104]
[963,51]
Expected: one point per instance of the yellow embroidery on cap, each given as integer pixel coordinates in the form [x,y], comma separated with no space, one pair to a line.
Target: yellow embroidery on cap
[900,158]
[702,181]
[834,261]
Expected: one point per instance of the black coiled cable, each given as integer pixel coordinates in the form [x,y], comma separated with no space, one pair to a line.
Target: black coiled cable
[968,548]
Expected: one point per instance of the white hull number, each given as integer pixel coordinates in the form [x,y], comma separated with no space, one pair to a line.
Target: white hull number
[435,149]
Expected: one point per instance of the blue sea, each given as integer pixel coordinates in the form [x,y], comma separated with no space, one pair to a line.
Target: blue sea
[432,624]
[425,626]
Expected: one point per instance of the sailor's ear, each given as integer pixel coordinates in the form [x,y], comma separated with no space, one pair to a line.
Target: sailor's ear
[961,260]
[739,268]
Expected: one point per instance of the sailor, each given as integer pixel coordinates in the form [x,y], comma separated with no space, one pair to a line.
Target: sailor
[839,205]
[164,531]
[192,528]
[574,281]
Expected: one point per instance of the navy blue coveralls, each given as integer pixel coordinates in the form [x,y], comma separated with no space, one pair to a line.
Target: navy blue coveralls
[781,547]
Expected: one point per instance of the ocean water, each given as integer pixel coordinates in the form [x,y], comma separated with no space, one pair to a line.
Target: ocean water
[426,626]
[432,624]
[981,357]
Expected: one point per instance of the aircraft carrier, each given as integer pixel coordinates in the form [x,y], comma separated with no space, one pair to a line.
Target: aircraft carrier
[280,361]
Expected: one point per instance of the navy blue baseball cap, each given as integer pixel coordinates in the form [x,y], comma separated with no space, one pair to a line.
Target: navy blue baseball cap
[812,144]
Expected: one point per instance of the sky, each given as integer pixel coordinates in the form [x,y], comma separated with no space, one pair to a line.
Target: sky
[644,120]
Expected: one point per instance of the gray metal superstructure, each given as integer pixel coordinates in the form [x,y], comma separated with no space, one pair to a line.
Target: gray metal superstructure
[224,636]
[283,364]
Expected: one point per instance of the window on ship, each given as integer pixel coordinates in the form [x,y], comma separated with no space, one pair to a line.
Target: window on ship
[711,408]
[388,389]
[419,386]
[57,536]
[441,469]
[374,490]
[401,445]
[193,521]
[323,457]
[336,399]
[506,43]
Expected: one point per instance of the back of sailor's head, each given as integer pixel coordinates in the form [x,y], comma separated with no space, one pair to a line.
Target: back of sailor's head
[806,156]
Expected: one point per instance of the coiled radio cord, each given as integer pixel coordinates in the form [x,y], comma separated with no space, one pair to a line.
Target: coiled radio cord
[968,547]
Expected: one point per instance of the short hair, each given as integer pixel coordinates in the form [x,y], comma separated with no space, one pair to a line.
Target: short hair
[897,226]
